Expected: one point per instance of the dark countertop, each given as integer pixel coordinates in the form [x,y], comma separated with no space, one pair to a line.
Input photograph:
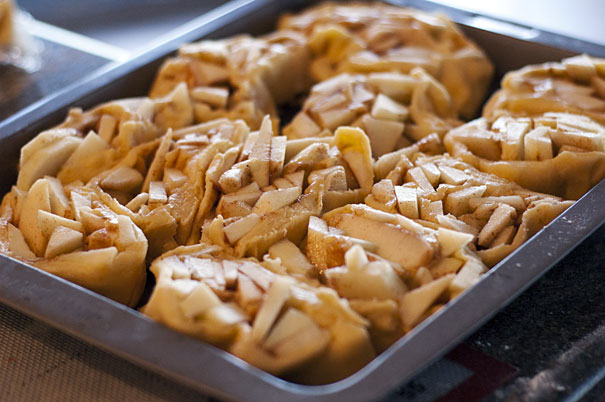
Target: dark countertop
[553,334]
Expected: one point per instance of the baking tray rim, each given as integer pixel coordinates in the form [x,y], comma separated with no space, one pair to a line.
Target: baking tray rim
[232,10]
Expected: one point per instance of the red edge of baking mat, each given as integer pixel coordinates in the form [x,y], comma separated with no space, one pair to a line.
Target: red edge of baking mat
[488,374]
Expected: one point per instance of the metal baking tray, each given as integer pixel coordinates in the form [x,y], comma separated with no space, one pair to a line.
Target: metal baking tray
[127,333]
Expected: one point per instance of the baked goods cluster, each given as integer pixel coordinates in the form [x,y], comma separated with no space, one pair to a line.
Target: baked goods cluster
[309,247]
[6,22]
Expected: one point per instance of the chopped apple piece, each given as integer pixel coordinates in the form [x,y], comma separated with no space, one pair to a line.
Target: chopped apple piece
[383,134]
[383,196]
[278,294]
[452,176]
[275,199]
[290,326]
[387,109]
[335,177]
[505,236]
[45,155]
[451,241]
[586,140]
[281,183]
[199,300]
[107,127]
[356,258]
[302,126]
[234,231]
[514,201]
[89,159]
[513,143]
[429,211]
[37,199]
[396,86]
[17,243]
[291,257]
[62,241]
[451,222]
[296,178]
[390,239]
[468,275]
[423,276]
[122,178]
[457,203]
[260,155]
[431,173]
[355,148]
[538,145]
[173,178]
[374,280]
[349,350]
[214,96]
[326,249]
[407,200]
[502,217]
[448,265]
[333,118]
[59,204]
[278,155]
[79,201]
[137,202]
[416,175]
[414,303]
[48,222]
[157,193]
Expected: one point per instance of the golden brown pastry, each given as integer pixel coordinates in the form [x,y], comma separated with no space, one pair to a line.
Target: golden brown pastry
[89,143]
[574,85]
[393,109]
[70,232]
[6,22]
[240,77]
[299,330]
[556,153]
[361,37]
[442,191]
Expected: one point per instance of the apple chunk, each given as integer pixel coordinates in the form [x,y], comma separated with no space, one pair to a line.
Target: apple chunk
[383,134]
[62,241]
[451,240]
[393,243]
[291,257]
[275,199]
[199,300]
[355,148]
[278,294]
[17,243]
[414,303]
[373,280]
[37,199]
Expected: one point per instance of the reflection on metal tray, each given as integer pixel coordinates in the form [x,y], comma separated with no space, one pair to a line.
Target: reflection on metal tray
[128,334]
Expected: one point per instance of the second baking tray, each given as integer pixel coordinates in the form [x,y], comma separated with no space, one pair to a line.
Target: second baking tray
[129,334]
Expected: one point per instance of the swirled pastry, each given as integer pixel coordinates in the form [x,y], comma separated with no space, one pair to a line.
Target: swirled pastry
[70,232]
[88,143]
[574,85]
[393,109]
[555,153]
[377,37]
[299,330]
[443,192]
[240,77]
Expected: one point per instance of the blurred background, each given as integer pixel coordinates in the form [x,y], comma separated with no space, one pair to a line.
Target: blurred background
[129,24]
